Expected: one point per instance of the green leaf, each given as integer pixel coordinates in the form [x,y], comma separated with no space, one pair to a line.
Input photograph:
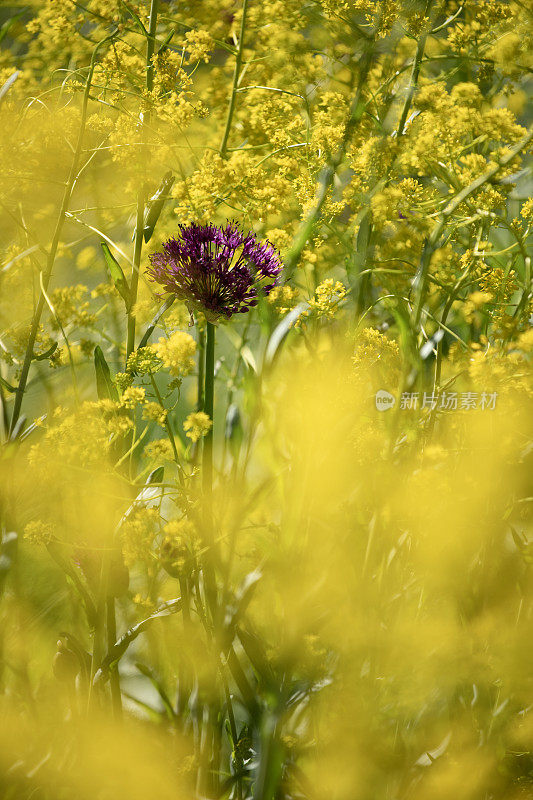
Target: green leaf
[233,429]
[158,686]
[105,387]
[248,358]
[59,553]
[7,385]
[117,276]
[280,332]
[236,610]
[155,319]
[148,494]
[116,652]
[155,205]
[46,354]
[4,89]
[75,645]
[6,27]
[255,650]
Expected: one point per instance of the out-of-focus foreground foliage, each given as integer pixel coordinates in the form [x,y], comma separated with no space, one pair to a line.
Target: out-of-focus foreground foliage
[345,613]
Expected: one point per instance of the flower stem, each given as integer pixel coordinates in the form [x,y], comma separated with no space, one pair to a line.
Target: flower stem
[51,257]
[207,474]
[201,369]
[209,392]
[114,678]
[236,76]
[137,250]
[141,197]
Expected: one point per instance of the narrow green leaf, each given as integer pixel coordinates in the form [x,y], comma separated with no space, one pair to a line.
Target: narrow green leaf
[61,556]
[4,89]
[105,387]
[155,205]
[236,610]
[7,385]
[255,650]
[281,331]
[155,319]
[117,276]
[46,354]
[18,429]
[158,686]
[148,494]
[116,652]
[8,552]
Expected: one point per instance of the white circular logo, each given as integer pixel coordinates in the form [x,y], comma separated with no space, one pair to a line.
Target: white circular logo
[384,400]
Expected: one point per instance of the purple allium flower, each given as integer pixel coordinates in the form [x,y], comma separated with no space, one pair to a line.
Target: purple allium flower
[217,270]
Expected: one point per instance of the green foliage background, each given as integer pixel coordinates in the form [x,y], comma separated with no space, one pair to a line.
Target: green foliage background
[351,617]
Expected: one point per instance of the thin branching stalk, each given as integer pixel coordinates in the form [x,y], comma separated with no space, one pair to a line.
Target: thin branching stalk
[207,470]
[52,253]
[114,678]
[422,278]
[235,85]
[415,72]
[207,456]
[141,196]
[355,114]
[168,426]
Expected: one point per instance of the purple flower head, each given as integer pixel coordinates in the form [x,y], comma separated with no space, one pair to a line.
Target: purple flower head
[218,270]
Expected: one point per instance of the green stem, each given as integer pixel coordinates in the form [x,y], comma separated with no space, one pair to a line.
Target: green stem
[415,72]
[236,75]
[141,197]
[207,463]
[201,369]
[47,273]
[207,475]
[114,678]
[136,266]
[168,425]
[100,622]
[355,114]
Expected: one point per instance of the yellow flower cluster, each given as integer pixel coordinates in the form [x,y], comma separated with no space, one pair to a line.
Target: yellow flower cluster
[475,303]
[177,353]
[133,396]
[283,298]
[197,425]
[329,295]
[154,412]
[199,45]
[144,360]
[69,307]
[159,450]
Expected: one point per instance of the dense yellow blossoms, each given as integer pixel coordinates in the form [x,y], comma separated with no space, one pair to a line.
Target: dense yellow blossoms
[197,425]
[177,353]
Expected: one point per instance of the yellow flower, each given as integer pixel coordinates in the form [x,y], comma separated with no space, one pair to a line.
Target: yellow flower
[155,413]
[328,296]
[177,353]
[133,396]
[199,45]
[197,425]
[159,450]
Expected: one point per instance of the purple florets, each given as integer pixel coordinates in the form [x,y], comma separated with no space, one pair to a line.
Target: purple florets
[220,271]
